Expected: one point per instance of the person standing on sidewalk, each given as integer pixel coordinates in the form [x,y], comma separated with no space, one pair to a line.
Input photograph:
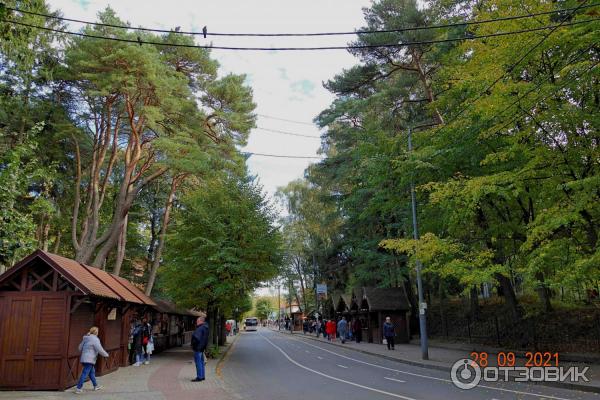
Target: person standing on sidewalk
[90,347]
[199,343]
[389,333]
[357,327]
[342,328]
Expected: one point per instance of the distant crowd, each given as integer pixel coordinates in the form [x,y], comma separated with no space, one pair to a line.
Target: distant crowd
[342,329]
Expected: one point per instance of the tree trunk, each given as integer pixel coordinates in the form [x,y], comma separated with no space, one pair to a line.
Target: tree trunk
[543,292]
[121,246]
[211,322]
[474,302]
[509,294]
[222,330]
[163,232]
[57,242]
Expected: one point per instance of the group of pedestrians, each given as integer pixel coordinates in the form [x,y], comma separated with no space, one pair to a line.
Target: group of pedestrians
[348,330]
[332,329]
[141,342]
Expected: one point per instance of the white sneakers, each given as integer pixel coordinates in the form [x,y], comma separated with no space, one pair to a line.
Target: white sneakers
[137,364]
[80,391]
[146,362]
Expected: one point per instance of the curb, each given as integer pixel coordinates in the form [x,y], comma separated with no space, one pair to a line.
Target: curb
[560,385]
[225,353]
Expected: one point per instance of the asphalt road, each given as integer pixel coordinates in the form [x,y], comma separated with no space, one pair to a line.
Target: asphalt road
[267,365]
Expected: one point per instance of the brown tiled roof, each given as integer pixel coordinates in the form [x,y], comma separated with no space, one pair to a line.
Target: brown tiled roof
[84,279]
[94,281]
[385,299]
[166,306]
[137,292]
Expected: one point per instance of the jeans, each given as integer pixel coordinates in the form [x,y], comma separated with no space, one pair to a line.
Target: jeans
[199,360]
[390,342]
[88,369]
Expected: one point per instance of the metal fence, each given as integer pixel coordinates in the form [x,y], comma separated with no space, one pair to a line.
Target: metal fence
[529,333]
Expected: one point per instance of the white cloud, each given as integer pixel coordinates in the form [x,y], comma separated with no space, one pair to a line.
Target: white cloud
[269,73]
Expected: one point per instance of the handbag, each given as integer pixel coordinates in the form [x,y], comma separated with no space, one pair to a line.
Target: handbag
[384,341]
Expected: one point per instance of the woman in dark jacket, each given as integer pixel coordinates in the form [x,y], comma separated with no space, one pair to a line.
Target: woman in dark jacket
[389,333]
[137,344]
[357,328]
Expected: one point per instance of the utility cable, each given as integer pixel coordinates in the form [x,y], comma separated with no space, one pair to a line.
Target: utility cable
[288,133]
[357,32]
[280,156]
[286,120]
[140,42]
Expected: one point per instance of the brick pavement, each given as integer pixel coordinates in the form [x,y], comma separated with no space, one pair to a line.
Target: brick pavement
[166,378]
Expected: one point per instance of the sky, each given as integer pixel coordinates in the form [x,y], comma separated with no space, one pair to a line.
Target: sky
[286,85]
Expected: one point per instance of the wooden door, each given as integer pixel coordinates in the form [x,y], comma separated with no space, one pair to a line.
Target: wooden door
[33,334]
[48,341]
[15,368]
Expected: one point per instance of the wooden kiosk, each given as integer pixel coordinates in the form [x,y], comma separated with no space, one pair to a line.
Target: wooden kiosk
[47,303]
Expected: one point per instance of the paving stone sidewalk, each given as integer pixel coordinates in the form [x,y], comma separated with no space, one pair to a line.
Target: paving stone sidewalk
[166,378]
[442,358]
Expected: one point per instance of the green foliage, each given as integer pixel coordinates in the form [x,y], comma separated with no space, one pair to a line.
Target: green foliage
[223,245]
[263,308]
[507,181]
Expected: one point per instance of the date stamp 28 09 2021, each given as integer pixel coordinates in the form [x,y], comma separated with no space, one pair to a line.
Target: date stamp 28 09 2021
[467,373]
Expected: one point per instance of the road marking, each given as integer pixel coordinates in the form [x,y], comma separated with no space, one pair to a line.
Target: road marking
[320,358]
[397,380]
[333,377]
[341,366]
[544,396]
[306,351]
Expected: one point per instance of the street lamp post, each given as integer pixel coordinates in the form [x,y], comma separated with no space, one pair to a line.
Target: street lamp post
[422,304]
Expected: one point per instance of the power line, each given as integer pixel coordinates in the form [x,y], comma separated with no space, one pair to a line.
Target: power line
[140,42]
[357,32]
[281,156]
[514,65]
[288,133]
[286,120]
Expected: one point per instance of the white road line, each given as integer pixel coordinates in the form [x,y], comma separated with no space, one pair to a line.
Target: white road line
[341,366]
[333,377]
[401,381]
[320,358]
[543,396]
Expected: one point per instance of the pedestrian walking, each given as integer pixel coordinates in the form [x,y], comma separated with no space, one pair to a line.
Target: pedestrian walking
[228,328]
[357,327]
[199,343]
[331,330]
[342,328]
[318,327]
[389,333]
[90,347]
[137,343]
[147,340]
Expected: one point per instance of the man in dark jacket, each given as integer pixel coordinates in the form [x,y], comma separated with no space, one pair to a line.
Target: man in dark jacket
[388,332]
[199,343]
